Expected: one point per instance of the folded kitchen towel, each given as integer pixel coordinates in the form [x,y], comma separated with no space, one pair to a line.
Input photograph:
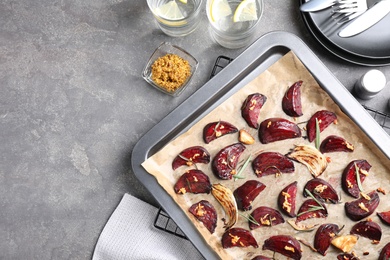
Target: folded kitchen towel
[130,234]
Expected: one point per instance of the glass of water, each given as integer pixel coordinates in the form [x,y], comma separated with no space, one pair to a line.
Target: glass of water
[176,17]
[233,22]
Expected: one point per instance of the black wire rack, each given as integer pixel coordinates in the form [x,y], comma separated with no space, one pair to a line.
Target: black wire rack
[220,63]
[383,119]
[165,223]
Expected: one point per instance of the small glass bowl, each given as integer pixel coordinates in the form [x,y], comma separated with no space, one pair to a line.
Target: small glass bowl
[162,50]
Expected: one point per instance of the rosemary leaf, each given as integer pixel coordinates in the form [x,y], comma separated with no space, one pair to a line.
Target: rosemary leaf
[250,218]
[311,209]
[315,207]
[314,198]
[184,158]
[317,134]
[359,183]
[238,175]
[189,184]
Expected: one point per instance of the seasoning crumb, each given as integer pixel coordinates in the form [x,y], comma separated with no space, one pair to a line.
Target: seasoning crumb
[170,72]
[381,190]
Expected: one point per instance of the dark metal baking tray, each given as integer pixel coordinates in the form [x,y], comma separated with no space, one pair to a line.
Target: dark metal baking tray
[254,60]
[164,222]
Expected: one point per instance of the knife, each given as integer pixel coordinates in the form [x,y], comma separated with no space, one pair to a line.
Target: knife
[367,19]
[316,5]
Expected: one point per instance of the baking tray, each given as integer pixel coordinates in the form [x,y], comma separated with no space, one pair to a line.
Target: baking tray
[248,65]
[164,222]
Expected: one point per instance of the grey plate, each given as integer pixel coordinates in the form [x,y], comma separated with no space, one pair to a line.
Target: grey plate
[254,60]
[370,48]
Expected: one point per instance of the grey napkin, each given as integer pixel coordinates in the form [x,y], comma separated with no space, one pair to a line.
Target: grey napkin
[130,234]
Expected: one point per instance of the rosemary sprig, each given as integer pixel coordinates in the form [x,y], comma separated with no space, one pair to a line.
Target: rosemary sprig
[314,198]
[251,219]
[359,183]
[312,207]
[189,184]
[317,134]
[238,175]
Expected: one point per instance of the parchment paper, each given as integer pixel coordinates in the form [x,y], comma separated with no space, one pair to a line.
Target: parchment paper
[273,83]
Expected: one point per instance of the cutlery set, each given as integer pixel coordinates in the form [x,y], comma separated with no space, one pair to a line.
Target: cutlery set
[359,15]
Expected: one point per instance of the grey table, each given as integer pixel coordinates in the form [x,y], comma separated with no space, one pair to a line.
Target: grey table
[73,105]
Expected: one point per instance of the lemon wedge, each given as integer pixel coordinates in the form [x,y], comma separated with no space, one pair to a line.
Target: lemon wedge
[170,11]
[183,1]
[219,9]
[246,11]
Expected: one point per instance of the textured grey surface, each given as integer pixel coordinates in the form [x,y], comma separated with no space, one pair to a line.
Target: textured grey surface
[73,105]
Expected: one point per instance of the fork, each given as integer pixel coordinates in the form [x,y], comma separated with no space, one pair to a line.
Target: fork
[346,10]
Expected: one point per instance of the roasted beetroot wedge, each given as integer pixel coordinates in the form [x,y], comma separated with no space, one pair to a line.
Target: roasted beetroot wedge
[265,216]
[385,217]
[368,229]
[205,213]
[285,245]
[385,252]
[362,207]
[225,162]
[238,237]
[291,102]
[287,199]
[193,181]
[323,237]
[334,143]
[215,130]
[311,209]
[268,163]
[247,193]
[191,156]
[349,180]
[347,256]
[324,117]
[277,129]
[251,107]
[321,190]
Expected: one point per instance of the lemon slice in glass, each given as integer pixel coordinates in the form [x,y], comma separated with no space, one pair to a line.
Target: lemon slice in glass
[183,1]
[170,11]
[219,9]
[246,11]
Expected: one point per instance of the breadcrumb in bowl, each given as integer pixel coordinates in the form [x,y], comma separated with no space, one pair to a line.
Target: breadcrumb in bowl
[170,72]
[170,69]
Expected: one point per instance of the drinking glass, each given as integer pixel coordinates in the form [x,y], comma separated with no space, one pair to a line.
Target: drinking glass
[176,17]
[233,25]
